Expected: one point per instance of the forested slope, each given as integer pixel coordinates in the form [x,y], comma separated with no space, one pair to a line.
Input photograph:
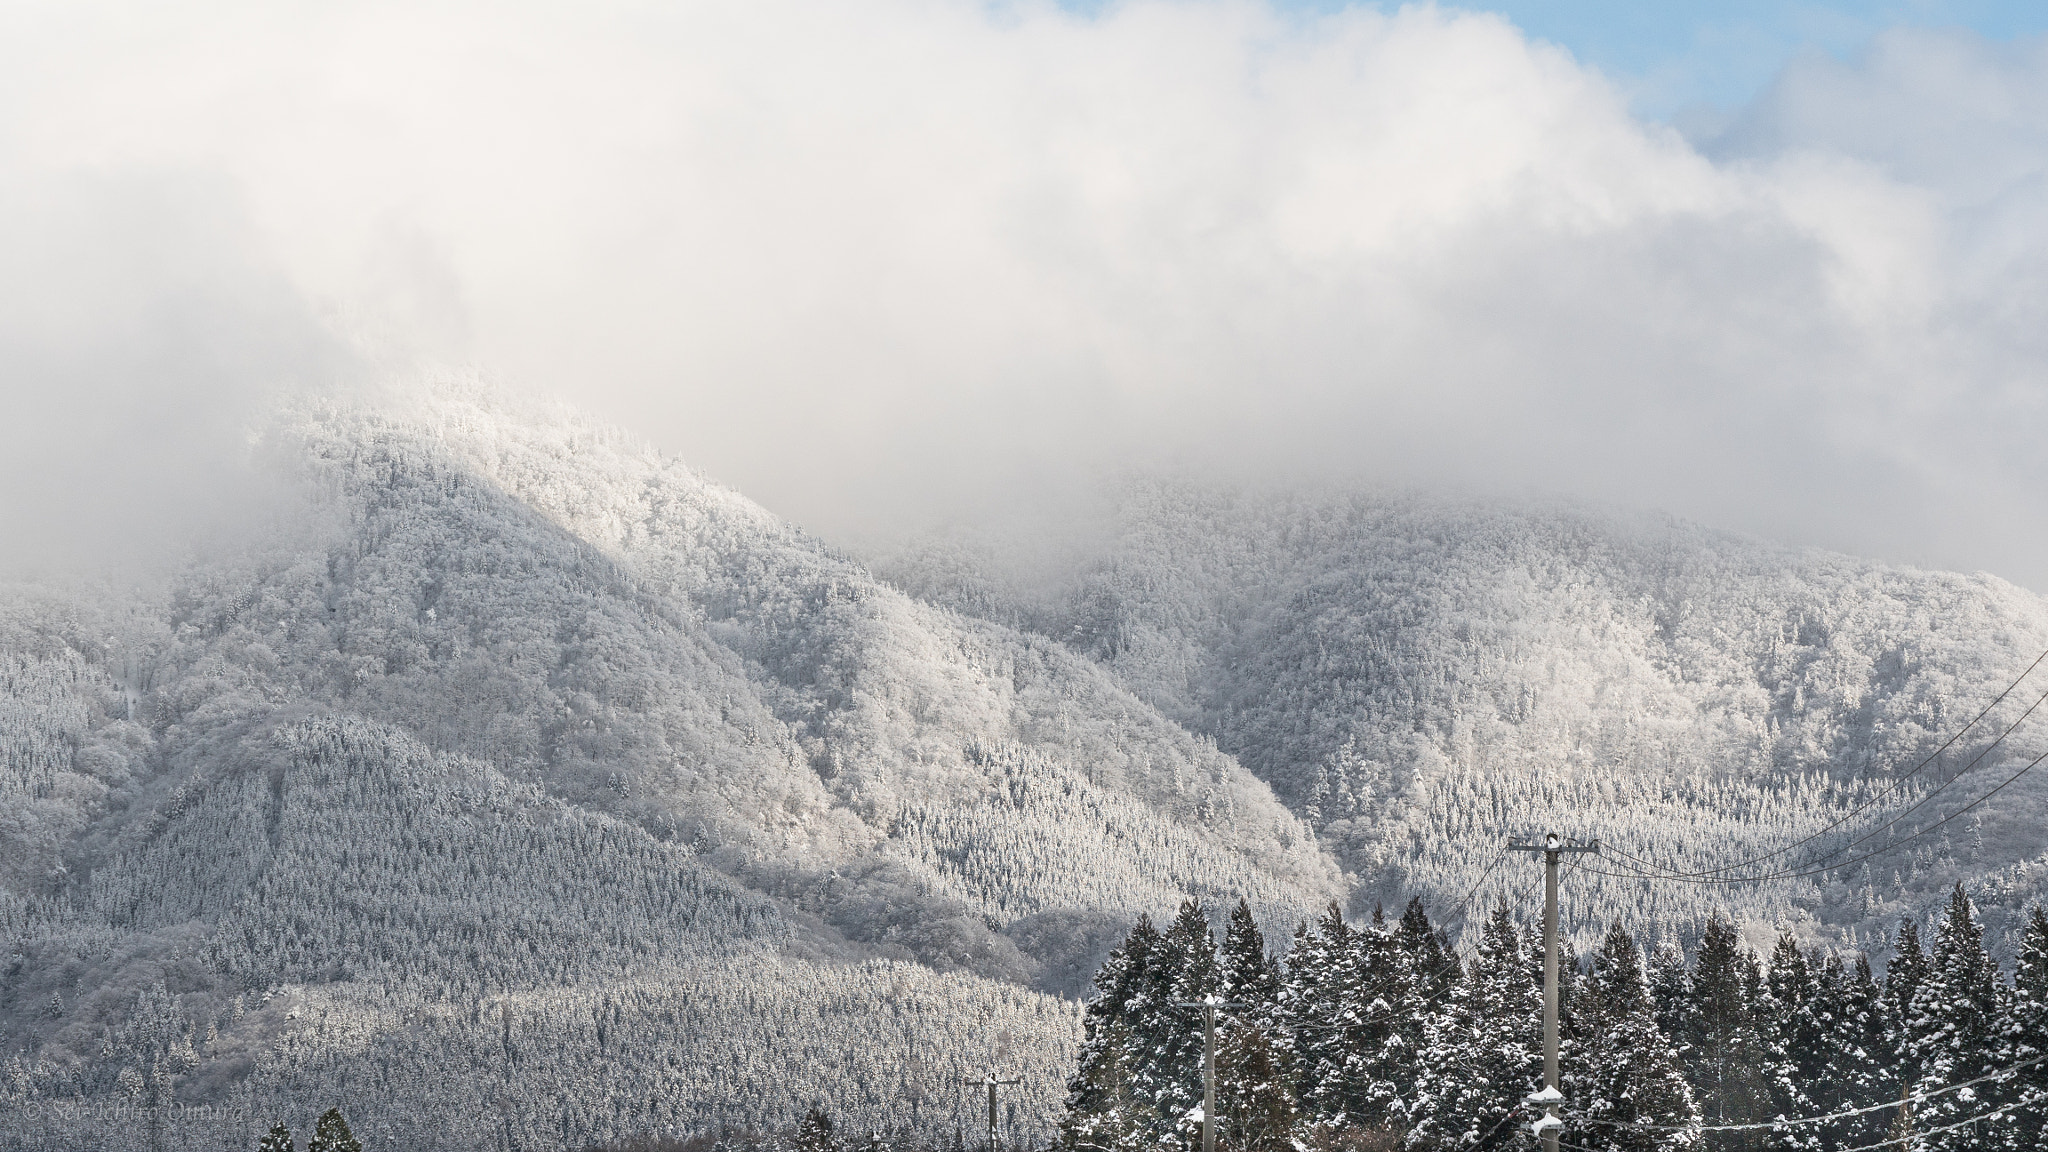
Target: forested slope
[1421,677]
[514,715]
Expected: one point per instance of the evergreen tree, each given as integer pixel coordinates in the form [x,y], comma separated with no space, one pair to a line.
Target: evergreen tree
[1484,1052]
[1254,1097]
[1726,1057]
[279,1139]
[331,1134]
[1859,1069]
[1814,1041]
[1247,975]
[1116,1120]
[1903,975]
[2027,1035]
[1181,972]
[1099,1096]
[1953,1029]
[1379,1055]
[1787,1014]
[814,1133]
[1626,1074]
[1671,995]
[1255,1092]
[1319,1005]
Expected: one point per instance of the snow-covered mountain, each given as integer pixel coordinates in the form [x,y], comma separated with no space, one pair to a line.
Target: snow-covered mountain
[1421,677]
[523,787]
[520,717]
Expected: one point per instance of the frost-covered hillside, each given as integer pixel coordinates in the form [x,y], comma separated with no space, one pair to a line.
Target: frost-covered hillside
[523,788]
[517,725]
[1422,677]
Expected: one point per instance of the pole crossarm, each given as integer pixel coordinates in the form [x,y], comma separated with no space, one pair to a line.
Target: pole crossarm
[992,1082]
[1594,847]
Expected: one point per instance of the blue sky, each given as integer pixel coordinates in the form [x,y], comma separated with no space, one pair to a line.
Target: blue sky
[1681,58]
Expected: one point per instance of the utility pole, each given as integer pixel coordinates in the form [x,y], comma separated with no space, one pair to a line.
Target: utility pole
[1208,1005]
[1553,846]
[992,1083]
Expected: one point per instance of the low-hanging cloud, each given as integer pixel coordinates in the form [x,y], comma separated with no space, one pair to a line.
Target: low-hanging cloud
[882,262]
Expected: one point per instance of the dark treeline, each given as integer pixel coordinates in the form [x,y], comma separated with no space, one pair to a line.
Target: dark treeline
[1382,1035]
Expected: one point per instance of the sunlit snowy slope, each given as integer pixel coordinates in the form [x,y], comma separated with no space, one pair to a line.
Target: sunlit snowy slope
[519,729]
[523,788]
[1423,677]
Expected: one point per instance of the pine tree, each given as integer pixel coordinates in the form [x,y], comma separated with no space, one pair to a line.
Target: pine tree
[814,1133]
[1247,975]
[1953,1028]
[1814,1042]
[1859,1068]
[1379,1056]
[1671,994]
[1318,1006]
[331,1134]
[1484,1052]
[1726,1057]
[1117,1120]
[278,1140]
[1181,972]
[1627,1073]
[1903,975]
[1255,1091]
[1254,1096]
[1789,1029]
[2027,1035]
[1099,1094]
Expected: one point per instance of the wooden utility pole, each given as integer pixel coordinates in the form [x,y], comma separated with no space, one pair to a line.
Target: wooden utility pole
[1208,1005]
[993,1083]
[1553,847]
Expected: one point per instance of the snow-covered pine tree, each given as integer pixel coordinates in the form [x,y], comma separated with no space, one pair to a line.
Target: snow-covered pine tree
[2027,1034]
[1254,1096]
[1255,1091]
[1903,975]
[1099,1093]
[1484,1052]
[814,1133]
[1180,971]
[1813,1041]
[1859,1065]
[1318,1002]
[1379,1057]
[1627,1073]
[1671,996]
[1791,1031]
[1117,1120]
[279,1139]
[1422,973]
[1246,971]
[331,1134]
[1433,965]
[1953,1028]
[1726,1058]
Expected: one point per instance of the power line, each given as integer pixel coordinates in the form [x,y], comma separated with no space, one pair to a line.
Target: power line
[1839,864]
[1911,1098]
[1997,1113]
[1897,783]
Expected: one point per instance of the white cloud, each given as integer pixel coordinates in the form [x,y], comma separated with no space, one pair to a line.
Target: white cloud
[883,260]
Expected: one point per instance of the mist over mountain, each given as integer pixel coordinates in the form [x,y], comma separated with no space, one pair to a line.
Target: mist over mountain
[514,708]
[1422,677]
[519,784]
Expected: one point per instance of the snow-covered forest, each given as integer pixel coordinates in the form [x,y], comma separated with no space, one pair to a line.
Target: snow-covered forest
[1380,1034]
[521,787]
[1425,677]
